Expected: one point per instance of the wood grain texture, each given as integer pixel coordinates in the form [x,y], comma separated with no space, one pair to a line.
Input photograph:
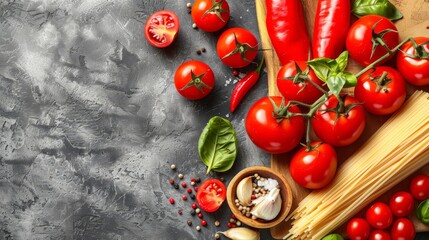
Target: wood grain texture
[414,23]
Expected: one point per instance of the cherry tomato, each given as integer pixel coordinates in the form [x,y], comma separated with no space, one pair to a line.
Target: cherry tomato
[237,47]
[359,39]
[403,229]
[210,15]
[302,90]
[314,168]
[401,204]
[415,70]
[161,28]
[194,79]
[379,235]
[381,94]
[211,194]
[379,215]
[270,134]
[339,126]
[419,187]
[358,229]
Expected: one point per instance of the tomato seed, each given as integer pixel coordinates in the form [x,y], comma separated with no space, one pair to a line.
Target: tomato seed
[171,200]
[204,222]
[194,206]
[184,197]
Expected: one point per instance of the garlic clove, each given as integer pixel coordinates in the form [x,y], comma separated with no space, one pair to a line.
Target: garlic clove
[269,207]
[244,191]
[241,233]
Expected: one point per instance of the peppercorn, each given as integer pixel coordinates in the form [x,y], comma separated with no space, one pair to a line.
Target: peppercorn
[198,52]
[192,183]
[198,228]
[192,196]
[194,25]
[229,225]
[189,190]
[204,223]
[233,216]
[203,49]
[196,189]
[180,176]
[189,222]
[197,210]
[180,212]
[176,186]
[171,181]
[194,206]
[200,215]
[184,197]
[171,200]
[173,167]
[193,212]
[188,5]
[217,223]
[197,180]
[183,184]
[235,73]
[216,236]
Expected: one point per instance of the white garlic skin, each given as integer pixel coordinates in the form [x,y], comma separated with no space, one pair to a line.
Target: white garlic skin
[244,191]
[241,233]
[269,207]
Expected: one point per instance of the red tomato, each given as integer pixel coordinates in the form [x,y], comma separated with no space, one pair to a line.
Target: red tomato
[358,229]
[161,28]
[401,204]
[359,39]
[237,47]
[270,134]
[419,187]
[302,90]
[403,229]
[210,15]
[414,70]
[381,95]
[379,215]
[314,168]
[194,79]
[336,126]
[379,235]
[211,194]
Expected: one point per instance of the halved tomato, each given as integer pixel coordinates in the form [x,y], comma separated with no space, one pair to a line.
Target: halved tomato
[161,28]
[211,194]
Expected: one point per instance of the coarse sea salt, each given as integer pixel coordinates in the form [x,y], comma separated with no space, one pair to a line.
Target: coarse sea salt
[268,184]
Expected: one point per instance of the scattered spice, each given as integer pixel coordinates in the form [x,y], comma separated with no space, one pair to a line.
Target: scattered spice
[222,179]
[192,183]
[189,190]
[217,223]
[173,167]
[198,228]
[192,196]
[184,185]
[216,236]
[204,223]
[184,197]
[188,5]
[180,176]
[194,205]
[196,189]
[194,26]
[198,52]
[180,212]
[193,212]
[171,200]
[200,215]
[189,222]
[176,186]
[203,50]
[238,223]
[235,73]
[171,181]
[192,179]
[197,180]
[197,210]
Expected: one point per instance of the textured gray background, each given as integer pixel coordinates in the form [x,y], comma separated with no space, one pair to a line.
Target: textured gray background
[90,120]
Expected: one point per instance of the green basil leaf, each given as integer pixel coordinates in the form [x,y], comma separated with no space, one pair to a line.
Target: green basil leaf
[336,83]
[321,67]
[342,60]
[423,211]
[378,7]
[351,79]
[217,145]
[333,236]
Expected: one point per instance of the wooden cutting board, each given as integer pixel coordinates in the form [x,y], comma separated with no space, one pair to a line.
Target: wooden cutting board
[414,23]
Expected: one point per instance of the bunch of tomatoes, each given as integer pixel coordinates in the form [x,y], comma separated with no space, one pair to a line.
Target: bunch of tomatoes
[379,217]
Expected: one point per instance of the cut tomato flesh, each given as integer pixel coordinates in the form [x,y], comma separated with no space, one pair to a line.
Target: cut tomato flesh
[161,28]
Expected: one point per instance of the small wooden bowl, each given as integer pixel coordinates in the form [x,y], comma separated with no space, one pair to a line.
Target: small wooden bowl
[265,172]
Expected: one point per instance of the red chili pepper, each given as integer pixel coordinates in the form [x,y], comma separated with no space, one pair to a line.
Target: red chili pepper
[244,85]
[287,30]
[331,25]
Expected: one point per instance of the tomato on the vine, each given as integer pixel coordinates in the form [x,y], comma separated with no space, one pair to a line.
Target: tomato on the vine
[360,44]
[237,47]
[382,90]
[413,61]
[270,131]
[211,194]
[161,28]
[419,187]
[401,204]
[403,229]
[379,235]
[194,79]
[210,15]
[379,215]
[358,229]
[337,124]
[298,89]
[314,168]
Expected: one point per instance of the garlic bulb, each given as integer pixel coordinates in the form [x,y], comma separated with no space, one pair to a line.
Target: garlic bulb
[269,207]
[244,191]
[241,233]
